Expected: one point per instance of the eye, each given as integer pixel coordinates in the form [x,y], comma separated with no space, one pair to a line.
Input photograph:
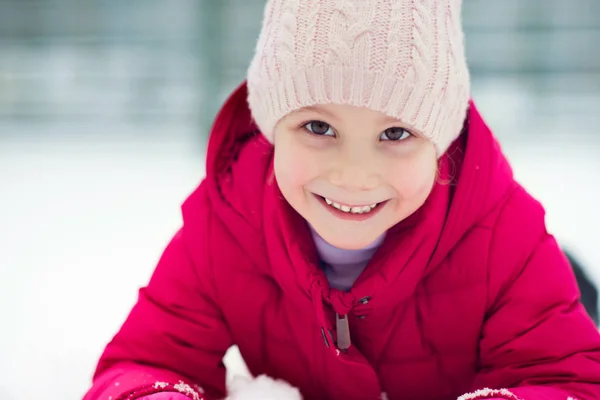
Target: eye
[319,128]
[395,134]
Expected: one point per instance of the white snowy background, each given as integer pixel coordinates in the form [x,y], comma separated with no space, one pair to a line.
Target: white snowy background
[99,146]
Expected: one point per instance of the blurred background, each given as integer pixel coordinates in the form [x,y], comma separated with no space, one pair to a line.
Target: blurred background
[105,108]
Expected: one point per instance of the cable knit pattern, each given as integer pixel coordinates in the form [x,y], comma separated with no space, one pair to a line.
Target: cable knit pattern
[404,58]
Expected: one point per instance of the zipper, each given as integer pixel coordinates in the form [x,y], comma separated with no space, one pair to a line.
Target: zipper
[343,332]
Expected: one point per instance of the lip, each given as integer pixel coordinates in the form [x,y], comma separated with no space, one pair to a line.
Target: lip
[349,216]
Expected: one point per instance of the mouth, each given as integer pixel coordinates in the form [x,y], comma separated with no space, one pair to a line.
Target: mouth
[347,211]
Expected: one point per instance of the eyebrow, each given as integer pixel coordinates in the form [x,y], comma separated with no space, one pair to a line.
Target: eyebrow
[384,120]
[390,120]
[318,111]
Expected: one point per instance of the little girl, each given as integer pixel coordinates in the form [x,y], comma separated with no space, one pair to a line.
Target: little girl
[359,234]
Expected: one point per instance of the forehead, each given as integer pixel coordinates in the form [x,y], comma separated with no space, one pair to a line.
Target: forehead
[345,112]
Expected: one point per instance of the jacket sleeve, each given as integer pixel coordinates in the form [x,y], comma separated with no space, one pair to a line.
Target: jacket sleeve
[537,340]
[174,338]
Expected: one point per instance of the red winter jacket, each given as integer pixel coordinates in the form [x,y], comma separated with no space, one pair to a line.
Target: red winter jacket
[470,292]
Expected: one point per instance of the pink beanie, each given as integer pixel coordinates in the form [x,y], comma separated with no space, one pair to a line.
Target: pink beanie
[404,58]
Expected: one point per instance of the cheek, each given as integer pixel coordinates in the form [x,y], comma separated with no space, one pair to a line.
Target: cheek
[414,188]
[416,180]
[293,169]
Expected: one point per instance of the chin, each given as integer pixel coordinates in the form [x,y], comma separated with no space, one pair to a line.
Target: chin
[348,241]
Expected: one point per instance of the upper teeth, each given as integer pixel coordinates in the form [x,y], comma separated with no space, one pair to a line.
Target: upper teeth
[351,209]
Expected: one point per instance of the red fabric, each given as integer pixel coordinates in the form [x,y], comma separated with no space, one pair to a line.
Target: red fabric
[165,396]
[468,293]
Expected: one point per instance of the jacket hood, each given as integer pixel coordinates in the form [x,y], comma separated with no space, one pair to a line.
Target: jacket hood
[481,175]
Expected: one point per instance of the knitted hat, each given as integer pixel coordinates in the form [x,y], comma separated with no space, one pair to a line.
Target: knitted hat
[404,58]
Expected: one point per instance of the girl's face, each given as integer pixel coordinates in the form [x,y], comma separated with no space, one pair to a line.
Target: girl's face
[352,172]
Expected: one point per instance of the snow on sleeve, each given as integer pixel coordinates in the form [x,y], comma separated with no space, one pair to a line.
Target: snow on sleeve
[490,394]
[133,382]
[263,388]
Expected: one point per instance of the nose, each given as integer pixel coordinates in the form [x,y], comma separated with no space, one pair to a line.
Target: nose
[354,170]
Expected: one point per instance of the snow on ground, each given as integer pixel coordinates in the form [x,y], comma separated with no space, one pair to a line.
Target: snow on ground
[83,223]
[85,220]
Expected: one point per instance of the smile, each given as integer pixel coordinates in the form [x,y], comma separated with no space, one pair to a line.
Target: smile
[351,209]
[353,212]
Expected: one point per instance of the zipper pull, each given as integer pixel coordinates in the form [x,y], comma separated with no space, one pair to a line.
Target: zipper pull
[343,332]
